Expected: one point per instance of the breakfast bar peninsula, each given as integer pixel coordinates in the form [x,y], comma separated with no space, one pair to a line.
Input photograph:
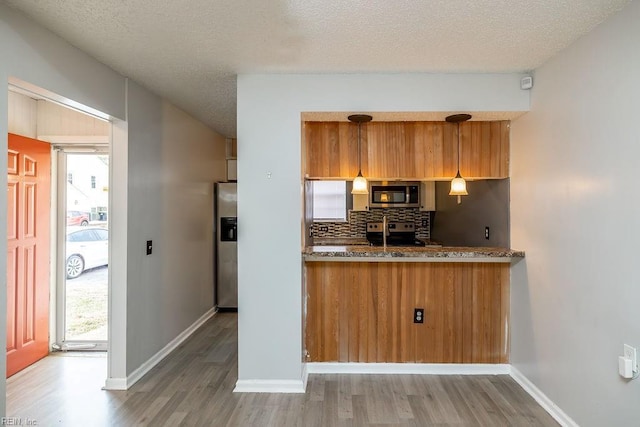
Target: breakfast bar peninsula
[407,304]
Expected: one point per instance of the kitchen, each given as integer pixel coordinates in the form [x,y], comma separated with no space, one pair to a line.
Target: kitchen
[272,111]
[378,287]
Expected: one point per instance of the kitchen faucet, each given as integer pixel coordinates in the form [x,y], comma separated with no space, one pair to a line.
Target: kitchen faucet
[385,231]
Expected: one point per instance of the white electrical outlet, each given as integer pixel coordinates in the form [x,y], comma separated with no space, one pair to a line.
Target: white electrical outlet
[631,354]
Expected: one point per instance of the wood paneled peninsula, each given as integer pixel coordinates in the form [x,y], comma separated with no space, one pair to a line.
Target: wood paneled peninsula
[361,303]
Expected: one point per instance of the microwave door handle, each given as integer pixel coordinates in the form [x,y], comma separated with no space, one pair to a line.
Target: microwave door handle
[407,197]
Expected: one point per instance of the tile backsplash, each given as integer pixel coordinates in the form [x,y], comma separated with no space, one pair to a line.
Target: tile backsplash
[357,225]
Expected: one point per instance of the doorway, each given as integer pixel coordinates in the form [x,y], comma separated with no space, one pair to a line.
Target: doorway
[42,307]
[83,248]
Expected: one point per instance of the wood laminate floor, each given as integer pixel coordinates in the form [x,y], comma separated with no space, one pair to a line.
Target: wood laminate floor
[193,387]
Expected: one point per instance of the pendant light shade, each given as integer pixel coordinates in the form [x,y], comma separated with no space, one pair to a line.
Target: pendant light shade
[360,182]
[458,184]
[360,185]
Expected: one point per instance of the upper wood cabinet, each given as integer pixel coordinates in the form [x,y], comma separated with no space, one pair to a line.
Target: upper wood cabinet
[484,149]
[331,149]
[407,150]
[410,150]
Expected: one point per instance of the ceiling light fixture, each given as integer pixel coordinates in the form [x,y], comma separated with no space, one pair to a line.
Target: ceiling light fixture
[360,182]
[458,184]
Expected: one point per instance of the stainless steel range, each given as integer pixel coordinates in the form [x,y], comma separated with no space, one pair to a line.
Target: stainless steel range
[398,234]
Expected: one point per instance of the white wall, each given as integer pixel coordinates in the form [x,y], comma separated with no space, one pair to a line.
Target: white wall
[34,55]
[23,112]
[576,212]
[173,162]
[270,209]
[168,154]
[56,121]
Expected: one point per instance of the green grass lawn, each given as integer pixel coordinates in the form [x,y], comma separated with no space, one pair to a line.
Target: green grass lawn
[86,315]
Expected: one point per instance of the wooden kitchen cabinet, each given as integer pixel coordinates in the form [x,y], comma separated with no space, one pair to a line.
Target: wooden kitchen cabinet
[484,149]
[331,149]
[435,155]
[406,150]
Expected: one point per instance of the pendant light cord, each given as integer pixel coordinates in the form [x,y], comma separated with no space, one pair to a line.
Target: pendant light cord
[458,148]
[359,150]
[458,118]
[359,119]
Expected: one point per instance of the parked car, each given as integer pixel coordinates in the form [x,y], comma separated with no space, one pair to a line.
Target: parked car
[87,247]
[77,218]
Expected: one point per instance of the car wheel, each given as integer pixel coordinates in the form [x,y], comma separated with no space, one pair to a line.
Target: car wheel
[84,222]
[75,266]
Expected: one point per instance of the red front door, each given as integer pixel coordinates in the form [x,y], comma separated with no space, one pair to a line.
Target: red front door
[28,202]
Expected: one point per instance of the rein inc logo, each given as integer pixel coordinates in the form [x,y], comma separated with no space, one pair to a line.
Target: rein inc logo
[17,421]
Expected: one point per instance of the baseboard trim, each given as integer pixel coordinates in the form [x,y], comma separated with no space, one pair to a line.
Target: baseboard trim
[270,386]
[115,384]
[408,368]
[135,376]
[542,399]
[300,386]
[305,375]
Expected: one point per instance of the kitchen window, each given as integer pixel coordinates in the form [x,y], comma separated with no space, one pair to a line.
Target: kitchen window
[330,200]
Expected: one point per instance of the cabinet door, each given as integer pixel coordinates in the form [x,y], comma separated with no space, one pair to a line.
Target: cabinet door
[435,154]
[411,150]
[331,150]
[232,170]
[484,149]
[387,150]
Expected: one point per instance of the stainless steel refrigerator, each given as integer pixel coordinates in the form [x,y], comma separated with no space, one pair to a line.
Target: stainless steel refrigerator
[227,245]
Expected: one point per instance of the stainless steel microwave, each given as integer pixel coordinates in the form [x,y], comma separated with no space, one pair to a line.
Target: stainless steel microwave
[394,194]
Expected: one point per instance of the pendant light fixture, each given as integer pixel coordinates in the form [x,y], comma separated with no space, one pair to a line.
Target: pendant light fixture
[458,184]
[360,182]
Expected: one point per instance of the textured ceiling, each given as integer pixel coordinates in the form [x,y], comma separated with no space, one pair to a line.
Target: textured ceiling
[190,51]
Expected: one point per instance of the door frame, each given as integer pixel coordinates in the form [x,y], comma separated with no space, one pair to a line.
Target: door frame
[118,205]
[58,339]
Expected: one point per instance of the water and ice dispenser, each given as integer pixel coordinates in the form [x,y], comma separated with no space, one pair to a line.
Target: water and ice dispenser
[229,229]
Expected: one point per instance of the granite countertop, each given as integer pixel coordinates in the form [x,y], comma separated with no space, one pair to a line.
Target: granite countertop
[410,254]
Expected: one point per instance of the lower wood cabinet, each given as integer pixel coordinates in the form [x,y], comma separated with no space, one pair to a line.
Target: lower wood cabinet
[363,312]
